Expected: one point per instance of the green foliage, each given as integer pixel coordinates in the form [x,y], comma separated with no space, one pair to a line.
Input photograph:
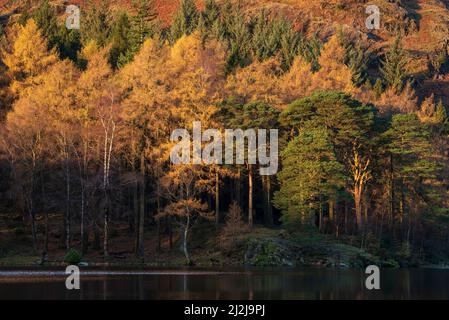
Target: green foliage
[185,20]
[72,257]
[95,23]
[378,88]
[408,141]
[356,59]
[267,35]
[45,18]
[441,113]
[310,174]
[120,51]
[310,49]
[393,67]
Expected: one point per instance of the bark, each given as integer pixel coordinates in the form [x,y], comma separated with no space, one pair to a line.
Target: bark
[185,235]
[136,217]
[106,225]
[250,196]
[268,209]
[142,207]
[217,198]
[358,208]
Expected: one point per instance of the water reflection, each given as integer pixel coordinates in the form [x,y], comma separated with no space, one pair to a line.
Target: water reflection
[251,284]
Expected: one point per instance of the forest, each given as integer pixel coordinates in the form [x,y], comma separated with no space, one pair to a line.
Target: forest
[86,118]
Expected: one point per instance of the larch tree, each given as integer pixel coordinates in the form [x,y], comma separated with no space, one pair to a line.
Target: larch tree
[333,73]
[256,82]
[29,58]
[146,121]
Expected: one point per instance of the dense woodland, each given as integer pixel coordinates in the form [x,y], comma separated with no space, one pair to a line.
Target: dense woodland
[86,118]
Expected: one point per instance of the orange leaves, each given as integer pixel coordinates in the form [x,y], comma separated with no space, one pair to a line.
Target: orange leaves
[333,73]
[29,58]
[257,82]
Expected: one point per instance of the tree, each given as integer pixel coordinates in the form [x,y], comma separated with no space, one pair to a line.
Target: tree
[95,25]
[29,58]
[120,41]
[183,186]
[146,122]
[333,73]
[141,26]
[350,123]
[409,146]
[46,19]
[310,175]
[256,82]
[185,20]
[297,82]
[393,67]
[235,225]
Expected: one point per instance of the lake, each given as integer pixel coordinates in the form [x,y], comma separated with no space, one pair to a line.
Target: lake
[257,284]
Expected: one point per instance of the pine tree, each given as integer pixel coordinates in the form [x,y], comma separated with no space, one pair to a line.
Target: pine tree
[310,175]
[289,45]
[358,63]
[378,88]
[393,67]
[143,24]
[120,41]
[310,49]
[185,20]
[46,19]
[409,145]
[95,24]
[208,22]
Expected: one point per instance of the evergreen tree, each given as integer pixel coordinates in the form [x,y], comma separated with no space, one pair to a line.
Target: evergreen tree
[378,88]
[267,35]
[310,176]
[143,23]
[69,43]
[358,63]
[289,45]
[120,41]
[441,113]
[95,24]
[310,49]
[393,67]
[208,22]
[185,20]
[46,20]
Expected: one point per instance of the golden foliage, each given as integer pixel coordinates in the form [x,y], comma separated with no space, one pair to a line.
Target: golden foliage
[297,82]
[256,82]
[392,102]
[333,73]
[29,59]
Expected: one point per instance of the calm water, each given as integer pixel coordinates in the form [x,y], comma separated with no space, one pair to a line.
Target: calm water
[262,284]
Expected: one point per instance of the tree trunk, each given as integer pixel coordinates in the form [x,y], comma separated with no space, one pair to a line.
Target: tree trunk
[106,225]
[142,207]
[217,198]
[184,244]
[250,196]
[358,209]
[268,210]
[331,213]
[136,217]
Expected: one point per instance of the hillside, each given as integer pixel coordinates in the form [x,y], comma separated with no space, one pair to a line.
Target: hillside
[424,23]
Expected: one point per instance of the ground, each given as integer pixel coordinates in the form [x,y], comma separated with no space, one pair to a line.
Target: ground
[260,247]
